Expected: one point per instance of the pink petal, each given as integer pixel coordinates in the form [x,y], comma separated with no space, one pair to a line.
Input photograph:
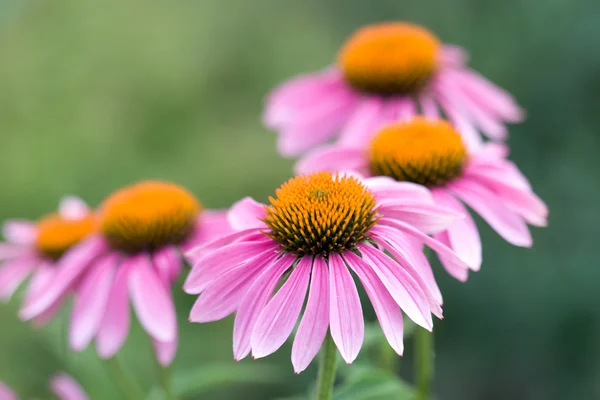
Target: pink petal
[13,273]
[72,207]
[461,122]
[463,236]
[333,158]
[211,225]
[455,271]
[502,219]
[39,279]
[19,232]
[195,252]
[389,191]
[252,304]
[345,312]
[69,268]
[246,214]
[314,324]
[402,287]
[115,324]
[214,264]
[453,56]
[363,124]
[387,310]
[152,302]
[428,218]
[406,109]
[168,265]
[6,393]
[428,107]
[66,388]
[50,313]
[90,302]
[8,251]
[277,320]
[165,351]
[224,294]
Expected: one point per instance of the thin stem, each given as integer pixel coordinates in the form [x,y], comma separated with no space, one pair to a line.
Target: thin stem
[424,356]
[126,383]
[166,382]
[327,367]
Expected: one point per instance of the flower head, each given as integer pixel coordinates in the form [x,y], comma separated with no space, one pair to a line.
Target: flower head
[134,257]
[315,232]
[430,152]
[387,72]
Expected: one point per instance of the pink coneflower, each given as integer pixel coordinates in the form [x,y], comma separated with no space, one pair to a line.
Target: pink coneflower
[431,153]
[310,237]
[34,248]
[61,385]
[387,72]
[135,256]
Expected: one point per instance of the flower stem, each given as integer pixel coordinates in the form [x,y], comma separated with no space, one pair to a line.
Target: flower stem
[166,382]
[126,383]
[424,356]
[327,367]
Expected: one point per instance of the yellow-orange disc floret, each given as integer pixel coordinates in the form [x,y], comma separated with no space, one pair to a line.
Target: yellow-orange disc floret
[148,215]
[389,58]
[428,152]
[320,214]
[56,234]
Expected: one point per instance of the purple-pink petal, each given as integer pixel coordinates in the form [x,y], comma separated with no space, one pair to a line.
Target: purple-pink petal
[66,388]
[165,351]
[13,273]
[72,207]
[363,122]
[333,158]
[20,232]
[246,214]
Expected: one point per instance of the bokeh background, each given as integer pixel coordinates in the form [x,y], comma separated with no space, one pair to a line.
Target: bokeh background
[95,95]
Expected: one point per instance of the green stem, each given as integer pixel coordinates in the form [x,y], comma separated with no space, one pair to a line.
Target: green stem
[166,382]
[126,383]
[424,356]
[327,367]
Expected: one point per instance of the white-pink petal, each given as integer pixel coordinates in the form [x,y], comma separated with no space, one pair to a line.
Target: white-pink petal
[20,232]
[72,207]
[66,388]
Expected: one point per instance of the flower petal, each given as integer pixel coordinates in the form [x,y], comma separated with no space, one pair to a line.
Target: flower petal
[455,271]
[72,207]
[168,264]
[314,324]
[277,320]
[246,214]
[332,158]
[211,225]
[6,393]
[66,388]
[363,123]
[428,218]
[165,351]
[21,232]
[345,312]
[389,191]
[13,273]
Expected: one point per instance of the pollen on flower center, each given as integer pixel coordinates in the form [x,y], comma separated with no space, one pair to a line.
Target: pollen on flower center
[423,151]
[320,214]
[56,234]
[148,215]
[389,58]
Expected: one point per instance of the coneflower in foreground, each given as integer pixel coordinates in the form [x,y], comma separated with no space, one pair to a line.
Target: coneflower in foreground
[135,256]
[33,248]
[316,231]
[430,152]
[387,72]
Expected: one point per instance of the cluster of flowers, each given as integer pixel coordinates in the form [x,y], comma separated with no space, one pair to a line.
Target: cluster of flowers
[391,150]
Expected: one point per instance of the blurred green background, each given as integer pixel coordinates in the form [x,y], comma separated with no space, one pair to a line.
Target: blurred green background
[95,95]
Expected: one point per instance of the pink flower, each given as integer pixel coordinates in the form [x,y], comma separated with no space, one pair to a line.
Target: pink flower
[34,248]
[387,72]
[431,153]
[316,231]
[134,257]
[62,385]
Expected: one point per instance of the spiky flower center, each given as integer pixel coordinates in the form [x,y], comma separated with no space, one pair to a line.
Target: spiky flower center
[428,152]
[320,214]
[57,234]
[148,215]
[389,58]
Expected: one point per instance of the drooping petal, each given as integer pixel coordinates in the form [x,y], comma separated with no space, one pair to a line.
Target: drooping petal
[218,262]
[428,107]
[455,271]
[402,287]
[72,207]
[13,273]
[345,312]
[406,109]
[69,268]
[8,251]
[90,303]
[165,351]
[18,231]
[211,225]
[246,214]
[168,264]
[153,303]
[195,252]
[252,304]
[363,123]
[387,310]
[428,218]
[115,324]
[314,324]
[389,191]
[6,393]
[277,320]
[502,219]
[224,294]
[453,56]
[66,388]
[39,278]
[333,158]
[461,122]
[463,236]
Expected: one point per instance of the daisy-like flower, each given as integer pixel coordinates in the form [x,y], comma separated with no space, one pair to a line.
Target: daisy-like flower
[431,153]
[33,248]
[135,256]
[61,385]
[316,231]
[387,72]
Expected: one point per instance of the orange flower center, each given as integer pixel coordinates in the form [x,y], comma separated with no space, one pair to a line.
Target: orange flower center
[389,58]
[320,214]
[423,151]
[148,215]
[56,234]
